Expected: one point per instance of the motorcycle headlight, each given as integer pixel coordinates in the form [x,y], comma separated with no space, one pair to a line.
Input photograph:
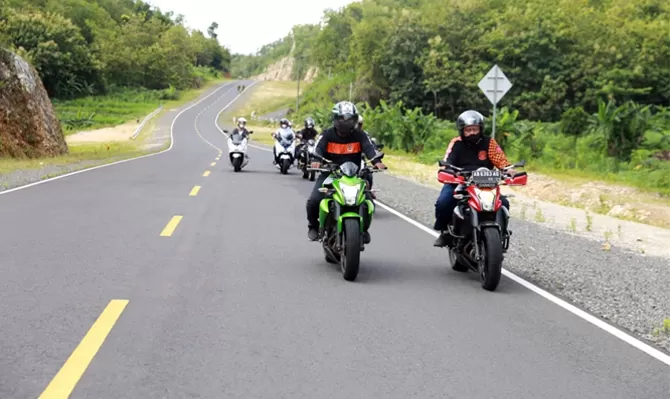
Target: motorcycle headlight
[350,193]
[486,199]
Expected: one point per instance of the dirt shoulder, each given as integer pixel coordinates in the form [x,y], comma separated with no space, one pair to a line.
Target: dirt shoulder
[610,214]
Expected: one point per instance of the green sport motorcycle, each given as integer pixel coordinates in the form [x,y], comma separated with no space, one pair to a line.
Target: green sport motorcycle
[341,215]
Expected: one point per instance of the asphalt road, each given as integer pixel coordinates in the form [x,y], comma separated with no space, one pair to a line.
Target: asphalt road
[236,303]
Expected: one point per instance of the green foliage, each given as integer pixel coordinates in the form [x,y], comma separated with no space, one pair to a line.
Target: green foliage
[85,47]
[589,79]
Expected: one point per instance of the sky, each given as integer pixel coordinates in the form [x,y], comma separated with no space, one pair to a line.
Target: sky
[246,25]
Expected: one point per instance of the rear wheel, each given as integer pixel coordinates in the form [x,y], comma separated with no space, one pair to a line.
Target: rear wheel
[490,266]
[351,257]
[456,264]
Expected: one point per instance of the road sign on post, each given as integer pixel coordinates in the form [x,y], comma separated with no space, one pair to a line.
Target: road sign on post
[495,85]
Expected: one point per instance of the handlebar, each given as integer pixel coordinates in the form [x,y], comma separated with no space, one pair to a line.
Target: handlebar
[461,171]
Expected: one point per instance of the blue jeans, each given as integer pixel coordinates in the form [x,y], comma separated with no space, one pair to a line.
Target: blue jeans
[445,204]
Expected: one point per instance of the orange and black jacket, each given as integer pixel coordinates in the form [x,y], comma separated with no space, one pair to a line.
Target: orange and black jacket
[470,156]
[340,149]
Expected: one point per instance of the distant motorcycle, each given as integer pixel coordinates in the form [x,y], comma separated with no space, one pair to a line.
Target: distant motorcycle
[284,149]
[304,159]
[237,150]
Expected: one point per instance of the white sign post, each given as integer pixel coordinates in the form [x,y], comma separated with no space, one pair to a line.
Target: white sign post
[495,85]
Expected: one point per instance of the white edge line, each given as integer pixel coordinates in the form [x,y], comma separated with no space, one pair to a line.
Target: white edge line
[653,352]
[216,120]
[627,338]
[124,160]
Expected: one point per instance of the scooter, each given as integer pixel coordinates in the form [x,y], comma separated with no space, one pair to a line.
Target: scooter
[237,150]
[284,150]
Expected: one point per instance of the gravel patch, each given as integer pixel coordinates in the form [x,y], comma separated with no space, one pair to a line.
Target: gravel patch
[160,135]
[22,177]
[618,285]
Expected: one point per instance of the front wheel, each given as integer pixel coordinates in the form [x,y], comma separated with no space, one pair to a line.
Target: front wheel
[490,266]
[284,166]
[350,259]
[312,175]
[237,164]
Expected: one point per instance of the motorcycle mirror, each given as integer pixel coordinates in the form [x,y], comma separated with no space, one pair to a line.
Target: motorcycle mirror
[225,131]
[251,131]
[442,163]
[380,146]
[520,164]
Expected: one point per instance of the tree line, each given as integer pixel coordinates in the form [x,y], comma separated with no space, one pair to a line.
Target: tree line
[591,78]
[89,47]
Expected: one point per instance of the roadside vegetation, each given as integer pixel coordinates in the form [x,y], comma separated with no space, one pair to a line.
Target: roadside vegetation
[109,63]
[103,62]
[588,106]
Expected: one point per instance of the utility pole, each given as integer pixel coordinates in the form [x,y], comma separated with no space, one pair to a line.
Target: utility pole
[297,97]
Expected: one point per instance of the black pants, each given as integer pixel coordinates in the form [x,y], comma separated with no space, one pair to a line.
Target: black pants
[315,198]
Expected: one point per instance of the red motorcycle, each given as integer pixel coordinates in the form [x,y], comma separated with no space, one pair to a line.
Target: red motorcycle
[478,231]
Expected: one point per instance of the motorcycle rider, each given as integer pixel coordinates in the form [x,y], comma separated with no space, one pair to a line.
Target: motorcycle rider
[241,128]
[308,133]
[343,142]
[469,150]
[283,124]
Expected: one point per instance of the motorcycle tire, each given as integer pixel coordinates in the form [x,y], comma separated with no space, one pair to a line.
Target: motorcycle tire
[350,259]
[312,176]
[456,264]
[284,166]
[490,268]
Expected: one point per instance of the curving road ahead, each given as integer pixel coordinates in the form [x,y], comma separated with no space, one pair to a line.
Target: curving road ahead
[233,301]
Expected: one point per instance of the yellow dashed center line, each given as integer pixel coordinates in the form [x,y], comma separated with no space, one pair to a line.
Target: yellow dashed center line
[64,382]
[195,190]
[206,173]
[212,164]
[171,226]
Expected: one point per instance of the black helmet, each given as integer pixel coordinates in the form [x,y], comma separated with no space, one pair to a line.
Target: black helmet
[309,123]
[470,118]
[345,117]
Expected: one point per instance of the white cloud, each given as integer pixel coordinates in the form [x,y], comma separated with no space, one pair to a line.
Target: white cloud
[246,25]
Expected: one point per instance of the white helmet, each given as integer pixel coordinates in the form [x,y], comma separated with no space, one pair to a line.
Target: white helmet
[241,122]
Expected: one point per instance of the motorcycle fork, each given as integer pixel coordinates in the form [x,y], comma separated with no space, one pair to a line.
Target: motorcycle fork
[474,219]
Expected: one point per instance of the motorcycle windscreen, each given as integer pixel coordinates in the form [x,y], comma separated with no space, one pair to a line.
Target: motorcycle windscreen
[286,134]
[236,139]
[349,169]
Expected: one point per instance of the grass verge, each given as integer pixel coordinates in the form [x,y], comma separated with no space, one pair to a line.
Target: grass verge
[118,107]
[572,190]
[79,152]
[268,96]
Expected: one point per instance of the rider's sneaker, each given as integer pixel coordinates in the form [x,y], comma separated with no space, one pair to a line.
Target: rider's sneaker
[441,241]
[313,234]
[366,237]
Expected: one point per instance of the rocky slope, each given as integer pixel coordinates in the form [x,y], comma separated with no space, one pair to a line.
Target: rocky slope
[281,70]
[28,123]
